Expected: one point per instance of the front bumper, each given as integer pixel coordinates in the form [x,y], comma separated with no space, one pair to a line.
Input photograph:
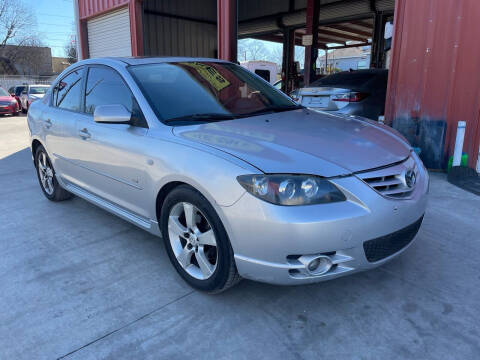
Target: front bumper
[268,239]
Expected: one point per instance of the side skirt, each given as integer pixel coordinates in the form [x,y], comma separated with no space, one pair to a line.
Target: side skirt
[143,223]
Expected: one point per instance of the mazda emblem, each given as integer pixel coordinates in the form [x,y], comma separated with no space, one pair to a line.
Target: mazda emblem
[410,178]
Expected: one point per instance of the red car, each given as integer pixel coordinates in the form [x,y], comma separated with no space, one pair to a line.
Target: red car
[8,104]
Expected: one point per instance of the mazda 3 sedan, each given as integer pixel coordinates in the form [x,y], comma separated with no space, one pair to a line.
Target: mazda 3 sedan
[238,179]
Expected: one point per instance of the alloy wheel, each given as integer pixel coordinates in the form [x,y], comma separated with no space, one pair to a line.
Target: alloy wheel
[192,240]
[45,171]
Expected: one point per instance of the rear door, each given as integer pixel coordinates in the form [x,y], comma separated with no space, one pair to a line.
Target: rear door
[59,121]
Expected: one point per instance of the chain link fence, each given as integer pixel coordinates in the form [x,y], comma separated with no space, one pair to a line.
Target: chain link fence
[7,81]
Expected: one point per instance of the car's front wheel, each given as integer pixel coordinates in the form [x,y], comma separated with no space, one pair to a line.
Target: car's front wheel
[47,178]
[196,241]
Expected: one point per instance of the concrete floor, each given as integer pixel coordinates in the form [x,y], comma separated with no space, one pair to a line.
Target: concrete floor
[79,283]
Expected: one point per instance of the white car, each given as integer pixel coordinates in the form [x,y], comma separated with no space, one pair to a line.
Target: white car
[32,93]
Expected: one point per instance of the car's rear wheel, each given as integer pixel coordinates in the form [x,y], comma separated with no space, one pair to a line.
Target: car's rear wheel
[196,241]
[47,178]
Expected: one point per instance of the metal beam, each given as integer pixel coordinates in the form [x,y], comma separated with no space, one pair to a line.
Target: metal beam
[227,12]
[311,51]
[378,41]
[288,57]
[343,37]
[362,24]
[275,38]
[344,28]
[136,27]
[348,46]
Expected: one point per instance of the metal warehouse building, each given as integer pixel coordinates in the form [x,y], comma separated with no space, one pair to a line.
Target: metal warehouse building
[434,79]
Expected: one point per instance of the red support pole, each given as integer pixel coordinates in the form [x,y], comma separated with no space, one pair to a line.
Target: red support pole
[227,29]
[311,50]
[83,38]
[136,27]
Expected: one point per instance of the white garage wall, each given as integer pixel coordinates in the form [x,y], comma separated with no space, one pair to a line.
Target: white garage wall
[109,34]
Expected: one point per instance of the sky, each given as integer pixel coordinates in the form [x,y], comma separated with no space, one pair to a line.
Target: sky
[55,23]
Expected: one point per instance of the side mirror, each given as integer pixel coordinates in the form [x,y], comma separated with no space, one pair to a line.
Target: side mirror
[112,114]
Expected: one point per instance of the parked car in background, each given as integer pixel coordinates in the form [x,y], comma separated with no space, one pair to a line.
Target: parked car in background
[361,92]
[239,179]
[16,91]
[32,93]
[8,103]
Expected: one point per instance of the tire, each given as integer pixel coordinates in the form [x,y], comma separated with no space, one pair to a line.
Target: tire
[50,188]
[223,271]
[16,113]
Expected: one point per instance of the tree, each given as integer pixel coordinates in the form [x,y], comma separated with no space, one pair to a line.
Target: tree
[252,49]
[17,23]
[277,54]
[71,50]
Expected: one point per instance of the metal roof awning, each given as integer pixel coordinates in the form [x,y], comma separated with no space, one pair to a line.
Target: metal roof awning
[347,34]
[341,21]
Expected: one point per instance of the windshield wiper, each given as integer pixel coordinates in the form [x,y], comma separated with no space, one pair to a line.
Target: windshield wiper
[272,109]
[203,117]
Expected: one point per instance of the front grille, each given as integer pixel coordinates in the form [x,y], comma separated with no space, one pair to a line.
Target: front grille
[385,246]
[390,181]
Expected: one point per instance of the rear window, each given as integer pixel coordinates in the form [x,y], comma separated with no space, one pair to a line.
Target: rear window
[38,90]
[348,79]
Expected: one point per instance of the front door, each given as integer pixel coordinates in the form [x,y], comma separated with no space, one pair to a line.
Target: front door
[111,158]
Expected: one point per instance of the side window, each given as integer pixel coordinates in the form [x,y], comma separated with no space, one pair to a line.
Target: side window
[106,87]
[68,91]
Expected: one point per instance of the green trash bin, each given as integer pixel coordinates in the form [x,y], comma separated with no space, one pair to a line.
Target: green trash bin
[463,162]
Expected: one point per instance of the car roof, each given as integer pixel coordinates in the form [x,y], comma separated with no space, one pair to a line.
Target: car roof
[140,60]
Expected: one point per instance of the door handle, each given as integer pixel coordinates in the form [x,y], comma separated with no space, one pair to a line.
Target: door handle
[84,134]
[48,123]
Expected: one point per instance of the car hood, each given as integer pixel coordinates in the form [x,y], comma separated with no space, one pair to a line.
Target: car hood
[302,141]
[6,98]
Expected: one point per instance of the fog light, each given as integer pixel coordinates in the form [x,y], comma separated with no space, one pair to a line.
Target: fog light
[313,265]
[319,265]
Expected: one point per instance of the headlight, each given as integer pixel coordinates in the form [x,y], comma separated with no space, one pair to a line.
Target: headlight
[291,189]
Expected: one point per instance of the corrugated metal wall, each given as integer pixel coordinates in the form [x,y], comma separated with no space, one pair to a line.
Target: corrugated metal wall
[435,76]
[169,36]
[88,8]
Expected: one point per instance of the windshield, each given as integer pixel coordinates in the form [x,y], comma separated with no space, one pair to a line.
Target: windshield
[206,90]
[38,90]
[3,92]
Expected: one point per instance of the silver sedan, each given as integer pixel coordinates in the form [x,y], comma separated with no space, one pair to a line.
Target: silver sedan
[237,179]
